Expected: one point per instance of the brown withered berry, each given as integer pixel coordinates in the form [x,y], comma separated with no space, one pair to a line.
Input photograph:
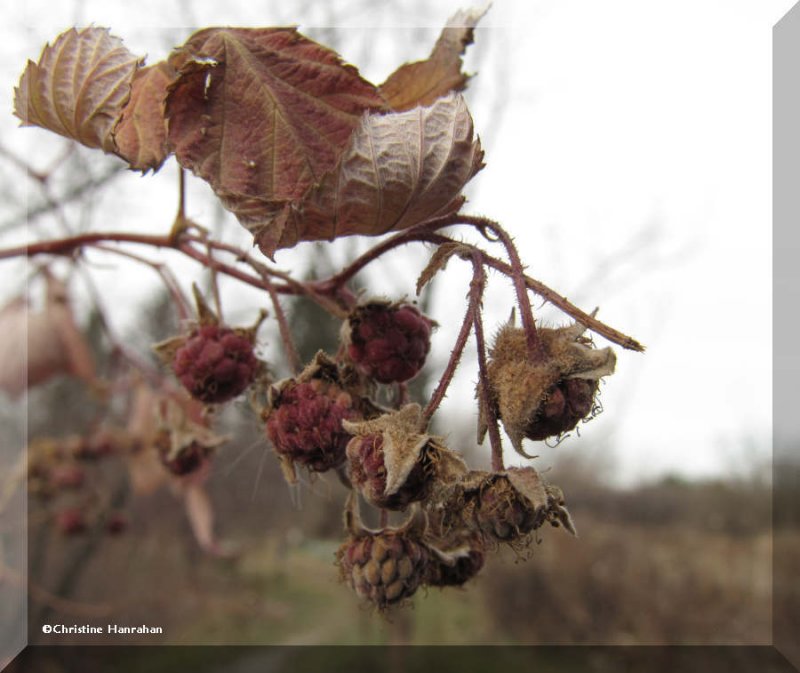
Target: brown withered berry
[460,568]
[388,342]
[383,567]
[304,423]
[565,405]
[505,514]
[186,460]
[215,363]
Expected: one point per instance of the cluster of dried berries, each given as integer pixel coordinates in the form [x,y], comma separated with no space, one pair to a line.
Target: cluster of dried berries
[393,463]
[314,418]
[61,477]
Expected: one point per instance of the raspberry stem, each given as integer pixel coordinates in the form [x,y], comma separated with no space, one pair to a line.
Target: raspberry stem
[475,296]
[536,351]
[483,379]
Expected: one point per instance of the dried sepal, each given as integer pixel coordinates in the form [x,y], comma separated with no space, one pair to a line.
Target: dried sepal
[503,506]
[542,399]
[438,262]
[393,463]
[184,445]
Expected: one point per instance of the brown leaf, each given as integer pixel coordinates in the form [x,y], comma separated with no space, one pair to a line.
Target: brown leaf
[141,135]
[421,83]
[78,87]
[399,169]
[262,114]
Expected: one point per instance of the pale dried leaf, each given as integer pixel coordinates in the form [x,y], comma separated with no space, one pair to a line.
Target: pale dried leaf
[421,83]
[78,87]
[140,136]
[438,262]
[399,169]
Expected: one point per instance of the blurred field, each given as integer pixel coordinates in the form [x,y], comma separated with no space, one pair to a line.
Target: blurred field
[671,563]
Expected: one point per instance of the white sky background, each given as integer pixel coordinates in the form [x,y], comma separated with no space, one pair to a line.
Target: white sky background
[628,150]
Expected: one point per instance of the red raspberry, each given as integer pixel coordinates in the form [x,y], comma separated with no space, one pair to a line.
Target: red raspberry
[368,474]
[384,567]
[304,423]
[388,342]
[71,521]
[215,364]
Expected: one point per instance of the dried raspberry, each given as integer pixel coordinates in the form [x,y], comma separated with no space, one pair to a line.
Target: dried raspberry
[67,477]
[215,364]
[388,342]
[383,567]
[456,568]
[304,423]
[71,521]
[503,506]
[368,474]
[566,404]
[186,460]
[505,514]
[538,399]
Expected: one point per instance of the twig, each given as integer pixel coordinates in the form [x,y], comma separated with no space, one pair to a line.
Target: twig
[490,417]
[535,348]
[170,282]
[70,195]
[475,297]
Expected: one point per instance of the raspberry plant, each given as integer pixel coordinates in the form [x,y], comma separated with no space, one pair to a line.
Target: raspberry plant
[301,148]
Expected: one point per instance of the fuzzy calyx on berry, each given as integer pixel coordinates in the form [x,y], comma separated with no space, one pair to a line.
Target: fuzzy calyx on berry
[214,362]
[183,445]
[393,463]
[537,400]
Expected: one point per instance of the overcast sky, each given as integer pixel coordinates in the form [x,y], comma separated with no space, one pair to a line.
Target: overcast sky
[628,151]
